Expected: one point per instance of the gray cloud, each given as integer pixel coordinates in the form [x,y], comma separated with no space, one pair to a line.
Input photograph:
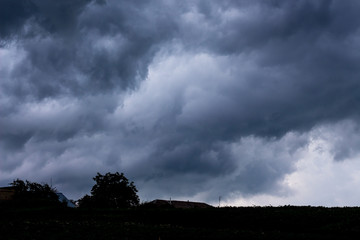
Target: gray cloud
[173,93]
[74,48]
[13,15]
[18,17]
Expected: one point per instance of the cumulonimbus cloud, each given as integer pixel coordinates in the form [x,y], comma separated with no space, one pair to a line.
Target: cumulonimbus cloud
[167,90]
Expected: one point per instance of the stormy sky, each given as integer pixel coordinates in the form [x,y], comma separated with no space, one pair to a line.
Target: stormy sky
[254,101]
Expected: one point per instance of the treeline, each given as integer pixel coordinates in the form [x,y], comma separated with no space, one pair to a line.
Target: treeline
[112,190]
[32,194]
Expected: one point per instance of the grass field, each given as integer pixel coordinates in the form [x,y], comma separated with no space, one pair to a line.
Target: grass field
[286,222]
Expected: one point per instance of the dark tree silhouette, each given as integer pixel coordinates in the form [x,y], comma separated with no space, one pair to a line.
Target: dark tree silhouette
[112,190]
[34,194]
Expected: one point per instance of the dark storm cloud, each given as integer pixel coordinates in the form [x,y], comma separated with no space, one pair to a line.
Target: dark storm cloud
[13,14]
[227,75]
[304,74]
[54,16]
[81,47]
[78,48]
[307,51]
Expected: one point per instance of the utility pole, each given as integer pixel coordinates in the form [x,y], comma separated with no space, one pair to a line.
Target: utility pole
[219,200]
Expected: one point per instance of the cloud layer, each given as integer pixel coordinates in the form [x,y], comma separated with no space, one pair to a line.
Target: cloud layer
[191,99]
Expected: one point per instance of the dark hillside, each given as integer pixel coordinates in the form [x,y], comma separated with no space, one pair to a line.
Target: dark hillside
[224,223]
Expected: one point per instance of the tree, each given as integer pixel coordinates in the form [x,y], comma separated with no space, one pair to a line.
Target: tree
[112,190]
[34,194]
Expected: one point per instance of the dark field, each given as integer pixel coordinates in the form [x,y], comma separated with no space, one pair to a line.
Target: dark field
[218,223]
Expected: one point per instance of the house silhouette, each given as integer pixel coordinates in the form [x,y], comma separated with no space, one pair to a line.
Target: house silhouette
[7,193]
[177,204]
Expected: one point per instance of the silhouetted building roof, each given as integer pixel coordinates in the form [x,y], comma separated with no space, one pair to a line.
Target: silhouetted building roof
[178,204]
[62,198]
[7,193]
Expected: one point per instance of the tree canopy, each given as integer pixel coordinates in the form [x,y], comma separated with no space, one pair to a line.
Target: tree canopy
[34,194]
[112,190]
